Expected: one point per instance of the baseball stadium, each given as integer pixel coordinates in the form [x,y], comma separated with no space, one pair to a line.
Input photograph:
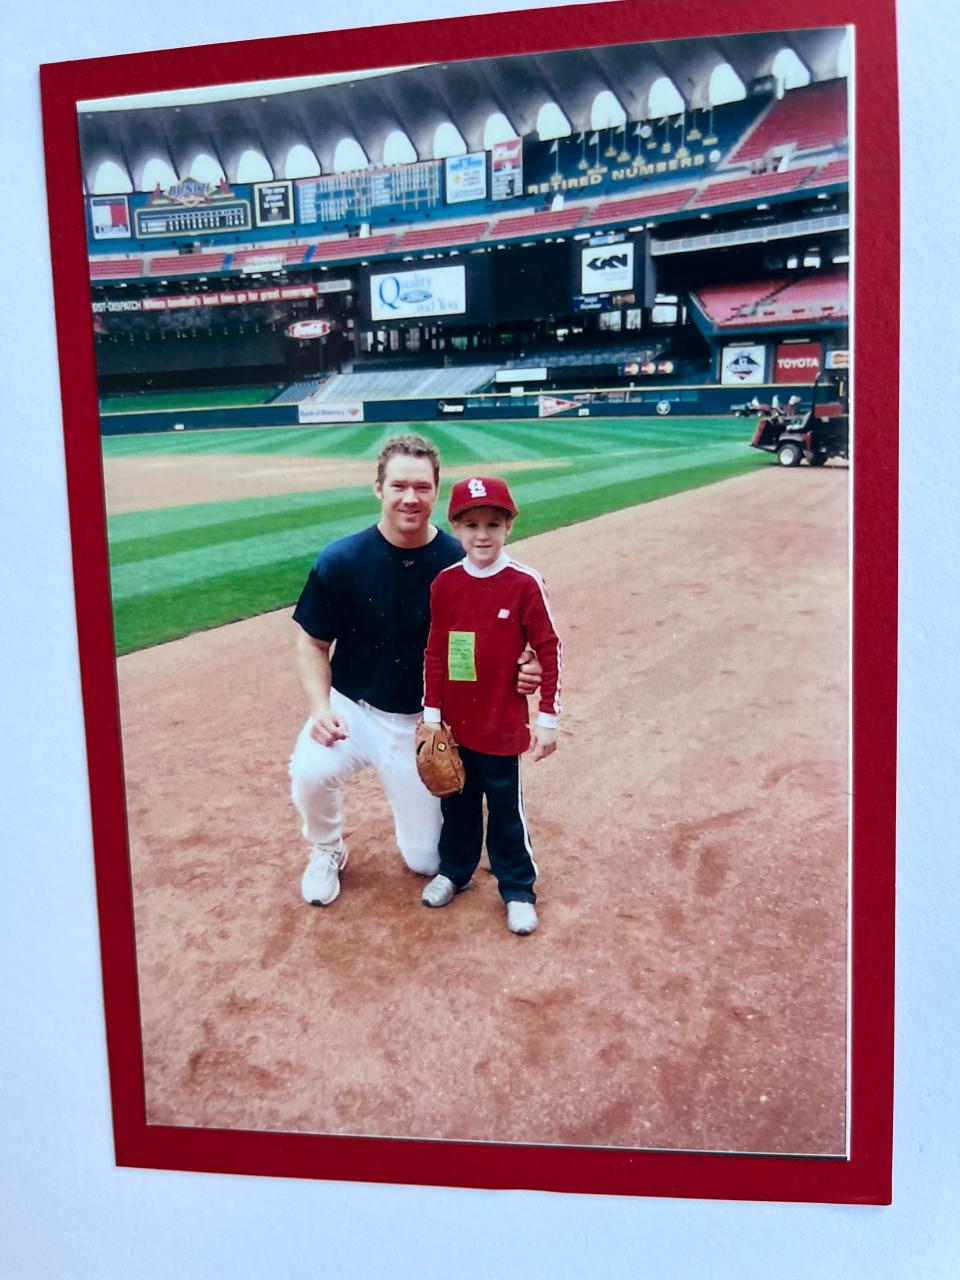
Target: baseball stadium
[602,274]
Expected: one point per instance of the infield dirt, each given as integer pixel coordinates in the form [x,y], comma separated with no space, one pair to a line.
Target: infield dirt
[687,986]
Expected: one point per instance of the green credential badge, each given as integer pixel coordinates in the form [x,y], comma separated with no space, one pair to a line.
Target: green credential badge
[461,655]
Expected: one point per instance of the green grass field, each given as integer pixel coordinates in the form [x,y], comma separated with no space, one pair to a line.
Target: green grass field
[212,398]
[183,569]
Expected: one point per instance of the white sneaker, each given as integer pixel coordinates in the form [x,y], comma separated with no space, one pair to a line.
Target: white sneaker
[439,892]
[321,881]
[521,917]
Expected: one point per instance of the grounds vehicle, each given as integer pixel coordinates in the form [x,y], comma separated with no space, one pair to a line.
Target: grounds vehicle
[821,433]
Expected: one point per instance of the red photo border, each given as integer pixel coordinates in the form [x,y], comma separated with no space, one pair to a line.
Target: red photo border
[864,1177]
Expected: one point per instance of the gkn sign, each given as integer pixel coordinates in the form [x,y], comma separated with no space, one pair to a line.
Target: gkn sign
[606,268]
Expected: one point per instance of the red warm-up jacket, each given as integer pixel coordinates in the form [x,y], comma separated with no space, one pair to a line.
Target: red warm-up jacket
[480,622]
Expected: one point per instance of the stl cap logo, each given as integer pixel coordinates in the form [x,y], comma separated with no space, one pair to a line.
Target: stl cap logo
[477,488]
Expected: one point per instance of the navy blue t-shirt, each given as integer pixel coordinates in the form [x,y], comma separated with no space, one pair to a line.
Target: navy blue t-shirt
[374,599]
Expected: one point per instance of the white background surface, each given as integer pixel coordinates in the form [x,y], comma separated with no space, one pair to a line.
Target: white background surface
[65,1211]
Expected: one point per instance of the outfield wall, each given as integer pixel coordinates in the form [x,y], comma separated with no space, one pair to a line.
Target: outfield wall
[684,401]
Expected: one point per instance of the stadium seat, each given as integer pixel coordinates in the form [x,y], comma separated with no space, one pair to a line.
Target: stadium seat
[639,207]
[832,171]
[821,296]
[526,224]
[405,384]
[727,302]
[807,119]
[115,268]
[301,390]
[439,234]
[344,248]
[184,264]
[722,191]
[290,254]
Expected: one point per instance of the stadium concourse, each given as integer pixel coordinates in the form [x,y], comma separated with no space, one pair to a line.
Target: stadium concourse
[562,267]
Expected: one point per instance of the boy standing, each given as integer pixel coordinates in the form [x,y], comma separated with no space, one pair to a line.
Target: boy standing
[484,611]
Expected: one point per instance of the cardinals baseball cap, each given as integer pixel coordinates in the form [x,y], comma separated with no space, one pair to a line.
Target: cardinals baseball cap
[480,491]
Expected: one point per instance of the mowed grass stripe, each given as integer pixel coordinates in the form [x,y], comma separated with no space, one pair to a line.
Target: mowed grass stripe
[200,440]
[345,504]
[476,444]
[173,611]
[545,514]
[141,621]
[526,435]
[365,440]
[157,573]
[136,525]
[141,535]
[265,542]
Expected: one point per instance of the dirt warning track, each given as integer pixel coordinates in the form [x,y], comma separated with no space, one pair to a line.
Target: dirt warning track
[686,988]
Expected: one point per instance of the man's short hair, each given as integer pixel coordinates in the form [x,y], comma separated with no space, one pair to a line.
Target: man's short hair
[409,446]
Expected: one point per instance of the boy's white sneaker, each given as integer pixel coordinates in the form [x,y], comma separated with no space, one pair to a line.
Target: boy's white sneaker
[321,881]
[439,892]
[521,917]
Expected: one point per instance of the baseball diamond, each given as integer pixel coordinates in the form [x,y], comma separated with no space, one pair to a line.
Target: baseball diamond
[585,315]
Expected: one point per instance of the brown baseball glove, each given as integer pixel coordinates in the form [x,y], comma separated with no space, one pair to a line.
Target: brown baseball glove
[438,759]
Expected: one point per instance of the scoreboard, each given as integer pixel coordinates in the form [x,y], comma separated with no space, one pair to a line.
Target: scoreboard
[335,196]
[180,220]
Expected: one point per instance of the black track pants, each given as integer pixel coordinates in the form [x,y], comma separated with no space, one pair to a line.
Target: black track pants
[508,845]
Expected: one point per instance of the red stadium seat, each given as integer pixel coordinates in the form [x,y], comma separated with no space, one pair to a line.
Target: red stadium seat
[752,187]
[808,118]
[525,224]
[343,248]
[438,234]
[639,207]
[290,254]
[183,264]
[115,268]
[832,171]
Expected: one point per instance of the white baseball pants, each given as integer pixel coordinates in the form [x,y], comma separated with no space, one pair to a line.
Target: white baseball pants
[379,740]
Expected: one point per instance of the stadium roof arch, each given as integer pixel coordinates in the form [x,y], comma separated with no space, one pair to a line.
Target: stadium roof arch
[273,118]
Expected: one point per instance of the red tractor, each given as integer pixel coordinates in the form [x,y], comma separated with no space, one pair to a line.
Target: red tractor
[817,434]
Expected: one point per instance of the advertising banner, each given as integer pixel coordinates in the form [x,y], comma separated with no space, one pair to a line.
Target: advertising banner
[309,329]
[330,411]
[606,268]
[110,217]
[405,295]
[225,298]
[506,169]
[273,203]
[798,362]
[466,177]
[838,359]
[547,406]
[742,366]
